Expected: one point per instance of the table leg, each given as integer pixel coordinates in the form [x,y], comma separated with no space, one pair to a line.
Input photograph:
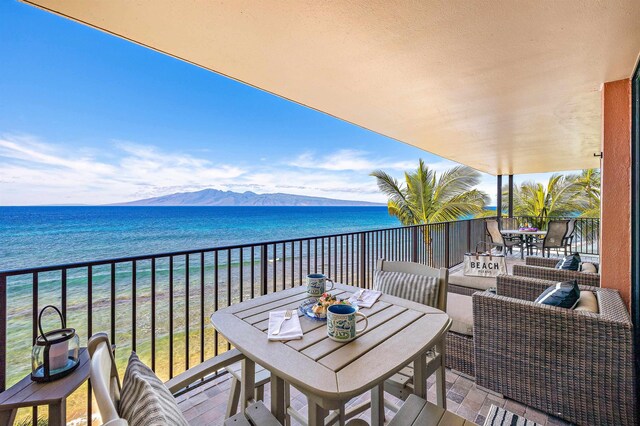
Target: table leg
[7,417]
[441,384]
[377,405]
[248,383]
[420,376]
[278,408]
[58,414]
[316,414]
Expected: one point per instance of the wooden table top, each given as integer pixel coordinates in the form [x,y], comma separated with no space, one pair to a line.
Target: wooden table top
[27,393]
[399,330]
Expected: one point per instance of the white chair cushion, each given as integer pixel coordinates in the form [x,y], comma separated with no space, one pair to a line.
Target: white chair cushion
[145,400]
[414,287]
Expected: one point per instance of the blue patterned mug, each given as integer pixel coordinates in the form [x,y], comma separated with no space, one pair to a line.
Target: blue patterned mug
[341,323]
[317,284]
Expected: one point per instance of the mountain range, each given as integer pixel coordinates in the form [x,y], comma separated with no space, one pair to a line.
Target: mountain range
[214,197]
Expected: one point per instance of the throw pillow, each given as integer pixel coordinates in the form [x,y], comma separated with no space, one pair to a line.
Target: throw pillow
[588,267]
[564,295]
[570,263]
[144,400]
[417,288]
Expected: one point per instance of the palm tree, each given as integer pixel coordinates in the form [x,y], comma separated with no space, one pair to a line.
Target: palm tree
[588,181]
[425,198]
[560,197]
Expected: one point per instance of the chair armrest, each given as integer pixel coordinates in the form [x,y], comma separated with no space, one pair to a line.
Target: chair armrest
[545,262]
[116,422]
[525,288]
[204,369]
[552,274]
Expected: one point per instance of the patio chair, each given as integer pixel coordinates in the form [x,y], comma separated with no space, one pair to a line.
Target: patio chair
[574,364]
[568,239]
[557,231]
[105,383]
[545,269]
[401,384]
[500,241]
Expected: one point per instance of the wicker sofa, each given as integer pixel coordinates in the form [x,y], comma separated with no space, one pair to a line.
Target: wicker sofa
[574,365]
[544,269]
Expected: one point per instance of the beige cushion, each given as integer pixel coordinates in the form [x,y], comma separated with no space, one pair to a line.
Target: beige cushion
[478,283]
[145,400]
[460,309]
[587,302]
[588,267]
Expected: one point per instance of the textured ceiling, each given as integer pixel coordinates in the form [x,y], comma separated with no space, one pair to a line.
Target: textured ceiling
[504,86]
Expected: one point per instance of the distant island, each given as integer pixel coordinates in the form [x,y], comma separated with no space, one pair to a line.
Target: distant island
[214,197]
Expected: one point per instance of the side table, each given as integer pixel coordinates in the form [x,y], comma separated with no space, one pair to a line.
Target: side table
[27,393]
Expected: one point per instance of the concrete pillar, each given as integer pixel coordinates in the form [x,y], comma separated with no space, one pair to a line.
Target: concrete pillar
[615,239]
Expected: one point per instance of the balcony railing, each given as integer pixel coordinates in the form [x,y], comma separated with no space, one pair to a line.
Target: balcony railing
[159,305]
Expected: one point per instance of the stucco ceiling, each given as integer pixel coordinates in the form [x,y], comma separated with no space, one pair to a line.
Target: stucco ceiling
[505,86]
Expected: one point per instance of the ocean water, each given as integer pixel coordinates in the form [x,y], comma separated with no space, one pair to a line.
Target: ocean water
[38,236]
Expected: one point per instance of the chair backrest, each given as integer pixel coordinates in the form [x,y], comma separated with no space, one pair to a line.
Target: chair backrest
[418,269]
[556,233]
[104,377]
[491,225]
[571,228]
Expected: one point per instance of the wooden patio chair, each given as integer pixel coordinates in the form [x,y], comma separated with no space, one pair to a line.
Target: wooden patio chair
[400,385]
[105,383]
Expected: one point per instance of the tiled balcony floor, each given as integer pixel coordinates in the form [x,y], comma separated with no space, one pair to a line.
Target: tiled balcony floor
[207,405]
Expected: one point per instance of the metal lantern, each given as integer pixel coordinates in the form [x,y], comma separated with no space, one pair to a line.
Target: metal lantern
[55,353]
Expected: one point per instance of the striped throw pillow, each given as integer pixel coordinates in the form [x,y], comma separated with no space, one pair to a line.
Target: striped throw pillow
[144,400]
[417,288]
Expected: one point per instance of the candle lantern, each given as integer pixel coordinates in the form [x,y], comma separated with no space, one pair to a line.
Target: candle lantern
[56,352]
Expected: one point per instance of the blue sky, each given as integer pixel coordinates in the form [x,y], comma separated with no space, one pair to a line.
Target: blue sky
[89,118]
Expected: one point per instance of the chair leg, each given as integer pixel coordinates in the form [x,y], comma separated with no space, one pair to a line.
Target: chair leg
[234,398]
[259,393]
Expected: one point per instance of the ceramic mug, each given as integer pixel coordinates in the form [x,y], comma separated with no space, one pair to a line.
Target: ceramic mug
[341,323]
[317,284]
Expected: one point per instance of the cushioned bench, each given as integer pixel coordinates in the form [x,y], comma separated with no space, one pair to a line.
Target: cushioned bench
[417,412]
[462,284]
[460,355]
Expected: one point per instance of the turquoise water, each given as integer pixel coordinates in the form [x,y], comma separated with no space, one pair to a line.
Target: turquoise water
[38,236]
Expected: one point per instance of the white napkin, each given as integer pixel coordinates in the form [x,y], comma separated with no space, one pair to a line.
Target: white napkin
[290,330]
[369,297]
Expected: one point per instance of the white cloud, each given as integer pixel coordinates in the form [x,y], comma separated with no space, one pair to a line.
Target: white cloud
[356,160]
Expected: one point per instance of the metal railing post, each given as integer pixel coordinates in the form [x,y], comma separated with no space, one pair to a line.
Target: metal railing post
[414,244]
[363,260]
[447,262]
[264,279]
[3,332]
[468,235]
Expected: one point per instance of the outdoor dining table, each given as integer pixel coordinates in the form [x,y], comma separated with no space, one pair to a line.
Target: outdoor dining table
[329,373]
[527,235]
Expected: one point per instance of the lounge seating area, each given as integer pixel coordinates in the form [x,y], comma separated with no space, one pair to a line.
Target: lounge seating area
[504,351]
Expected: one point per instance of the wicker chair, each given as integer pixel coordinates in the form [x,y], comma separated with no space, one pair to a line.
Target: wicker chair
[501,242]
[544,269]
[574,365]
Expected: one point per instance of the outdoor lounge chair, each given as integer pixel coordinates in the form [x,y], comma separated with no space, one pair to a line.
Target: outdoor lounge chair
[105,383]
[576,365]
[544,269]
[501,242]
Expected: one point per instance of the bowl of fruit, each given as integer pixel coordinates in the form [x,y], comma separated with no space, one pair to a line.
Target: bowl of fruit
[317,308]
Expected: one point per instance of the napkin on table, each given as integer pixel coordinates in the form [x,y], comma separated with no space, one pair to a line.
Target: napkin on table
[290,330]
[369,297]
